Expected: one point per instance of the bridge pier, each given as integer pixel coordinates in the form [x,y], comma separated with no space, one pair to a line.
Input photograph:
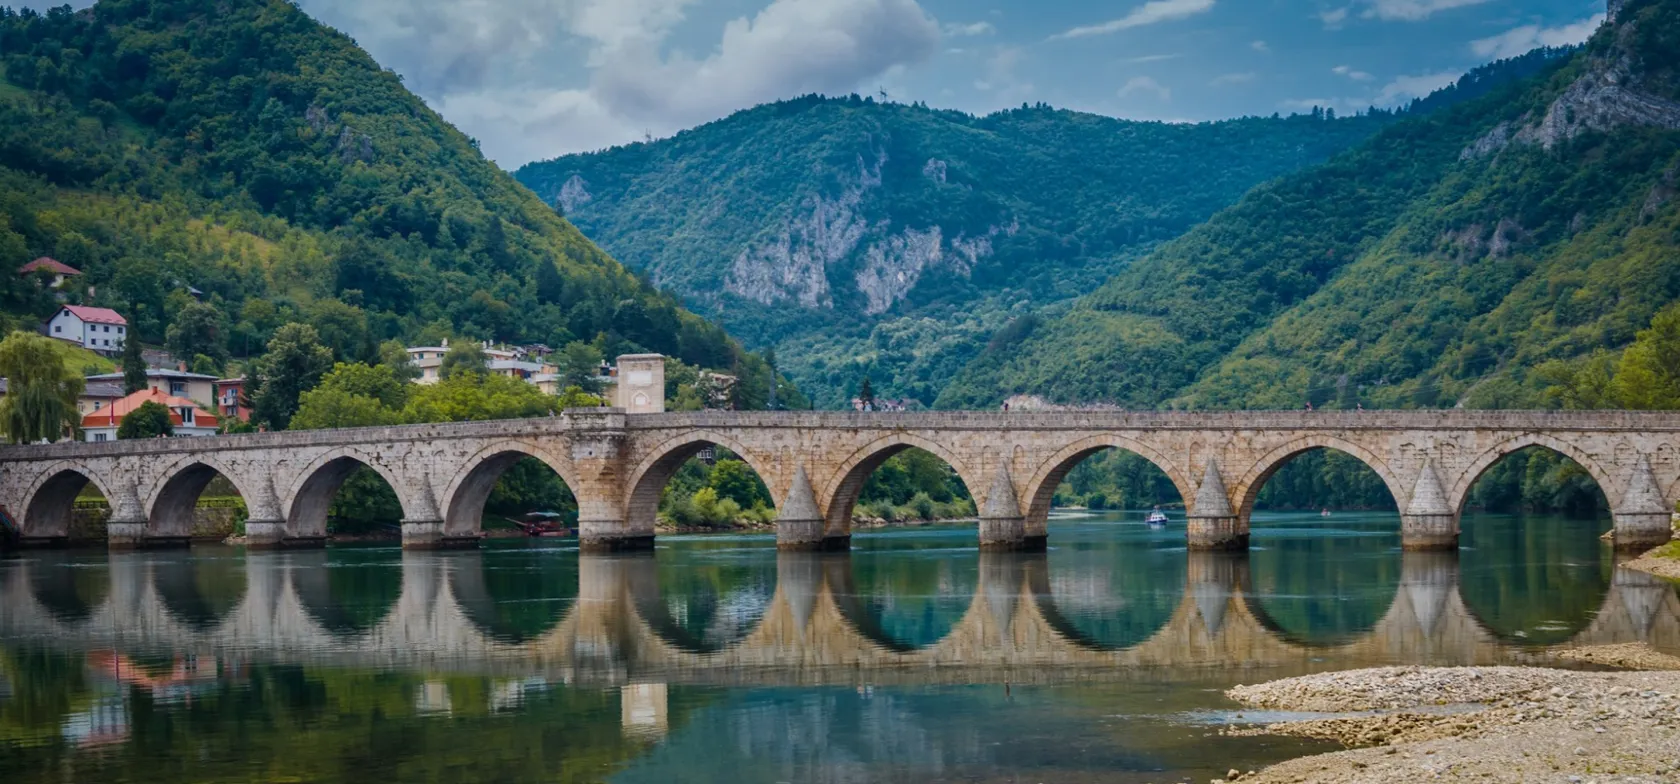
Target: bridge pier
[1643,520]
[1212,524]
[429,535]
[1003,529]
[799,526]
[1428,522]
[264,535]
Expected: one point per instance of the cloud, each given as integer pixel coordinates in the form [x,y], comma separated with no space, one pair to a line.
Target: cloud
[1412,10]
[493,66]
[1261,46]
[1522,40]
[1333,18]
[1358,76]
[1225,80]
[1144,84]
[1149,13]
[969,30]
[1151,58]
[1415,86]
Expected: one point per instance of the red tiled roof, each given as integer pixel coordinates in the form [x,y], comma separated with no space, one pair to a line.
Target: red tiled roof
[97,315]
[49,264]
[112,415]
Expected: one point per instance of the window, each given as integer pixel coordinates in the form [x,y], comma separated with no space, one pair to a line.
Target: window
[98,436]
[98,404]
[177,388]
[58,328]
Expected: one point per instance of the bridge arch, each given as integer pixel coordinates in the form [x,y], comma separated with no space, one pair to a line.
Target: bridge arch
[1253,480]
[1460,489]
[51,497]
[647,481]
[310,497]
[470,489]
[840,493]
[1041,488]
[172,501]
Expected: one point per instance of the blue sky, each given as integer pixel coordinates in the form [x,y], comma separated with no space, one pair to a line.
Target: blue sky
[533,79]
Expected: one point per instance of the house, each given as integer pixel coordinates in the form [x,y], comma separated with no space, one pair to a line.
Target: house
[180,383]
[428,360]
[97,395]
[61,272]
[510,362]
[230,399]
[99,329]
[189,419]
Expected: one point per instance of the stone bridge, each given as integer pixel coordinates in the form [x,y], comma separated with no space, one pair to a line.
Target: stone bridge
[815,465]
[816,627]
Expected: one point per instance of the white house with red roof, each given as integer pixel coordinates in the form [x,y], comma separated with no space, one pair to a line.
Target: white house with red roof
[60,271]
[99,329]
[186,416]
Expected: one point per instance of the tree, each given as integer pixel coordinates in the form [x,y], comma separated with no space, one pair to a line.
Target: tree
[352,395]
[580,365]
[866,394]
[133,367]
[464,356]
[197,329]
[40,402]
[469,397]
[394,355]
[734,480]
[294,363]
[575,397]
[149,420]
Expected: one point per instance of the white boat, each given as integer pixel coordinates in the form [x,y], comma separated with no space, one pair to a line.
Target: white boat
[1156,519]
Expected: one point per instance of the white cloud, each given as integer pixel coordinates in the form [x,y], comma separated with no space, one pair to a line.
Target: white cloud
[969,30]
[1349,72]
[632,83]
[1412,10]
[1415,86]
[1144,84]
[1333,18]
[1225,80]
[1149,13]
[1151,58]
[1522,40]
[1260,46]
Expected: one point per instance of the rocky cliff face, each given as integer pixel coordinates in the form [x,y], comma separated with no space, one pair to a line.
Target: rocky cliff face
[1612,94]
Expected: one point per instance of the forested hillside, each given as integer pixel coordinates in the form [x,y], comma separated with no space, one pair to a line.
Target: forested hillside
[864,238]
[1443,262]
[241,149]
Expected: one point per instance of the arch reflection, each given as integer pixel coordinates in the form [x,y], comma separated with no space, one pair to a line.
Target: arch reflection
[909,594]
[348,591]
[1108,592]
[1322,582]
[200,591]
[1534,580]
[516,595]
[71,590]
[708,605]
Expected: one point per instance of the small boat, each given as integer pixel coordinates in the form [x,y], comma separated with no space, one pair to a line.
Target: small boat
[1156,519]
[543,524]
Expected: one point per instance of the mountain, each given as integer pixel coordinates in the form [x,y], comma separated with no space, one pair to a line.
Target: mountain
[1439,263]
[861,237]
[241,149]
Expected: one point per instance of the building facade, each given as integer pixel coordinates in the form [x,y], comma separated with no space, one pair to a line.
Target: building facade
[96,329]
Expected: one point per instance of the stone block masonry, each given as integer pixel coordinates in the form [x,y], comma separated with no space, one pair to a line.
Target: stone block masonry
[815,465]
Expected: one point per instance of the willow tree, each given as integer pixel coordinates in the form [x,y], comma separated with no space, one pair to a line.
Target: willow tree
[40,402]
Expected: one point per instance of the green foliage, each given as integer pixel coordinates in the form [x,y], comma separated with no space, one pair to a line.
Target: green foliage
[246,151]
[295,362]
[733,480]
[467,397]
[463,358]
[40,400]
[1646,376]
[1408,272]
[148,420]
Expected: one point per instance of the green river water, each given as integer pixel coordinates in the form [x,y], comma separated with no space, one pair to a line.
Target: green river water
[913,658]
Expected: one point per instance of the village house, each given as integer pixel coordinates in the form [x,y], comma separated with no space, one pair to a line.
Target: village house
[230,400]
[188,419]
[99,329]
[61,272]
[179,383]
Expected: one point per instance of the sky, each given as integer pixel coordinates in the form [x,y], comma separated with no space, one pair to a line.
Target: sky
[535,79]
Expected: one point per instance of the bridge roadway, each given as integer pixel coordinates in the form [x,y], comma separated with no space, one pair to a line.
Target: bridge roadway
[815,464]
[816,628]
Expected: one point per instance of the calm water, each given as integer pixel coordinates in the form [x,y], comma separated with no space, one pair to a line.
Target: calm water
[913,658]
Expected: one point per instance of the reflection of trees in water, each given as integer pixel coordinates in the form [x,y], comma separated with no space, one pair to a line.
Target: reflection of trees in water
[515,595]
[348,590]
[1534,579]
[705,606]
[200,591]
[914,599]
[1317,589]
[1114,595]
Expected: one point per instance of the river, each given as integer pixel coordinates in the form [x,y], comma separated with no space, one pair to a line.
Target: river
[914,658]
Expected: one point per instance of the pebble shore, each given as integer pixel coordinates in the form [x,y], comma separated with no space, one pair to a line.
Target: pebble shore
[1484,724]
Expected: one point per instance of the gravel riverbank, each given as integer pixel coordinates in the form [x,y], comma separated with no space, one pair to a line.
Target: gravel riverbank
[1500,724]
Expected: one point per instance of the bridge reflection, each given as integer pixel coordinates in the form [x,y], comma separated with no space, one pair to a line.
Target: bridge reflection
[797,617]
